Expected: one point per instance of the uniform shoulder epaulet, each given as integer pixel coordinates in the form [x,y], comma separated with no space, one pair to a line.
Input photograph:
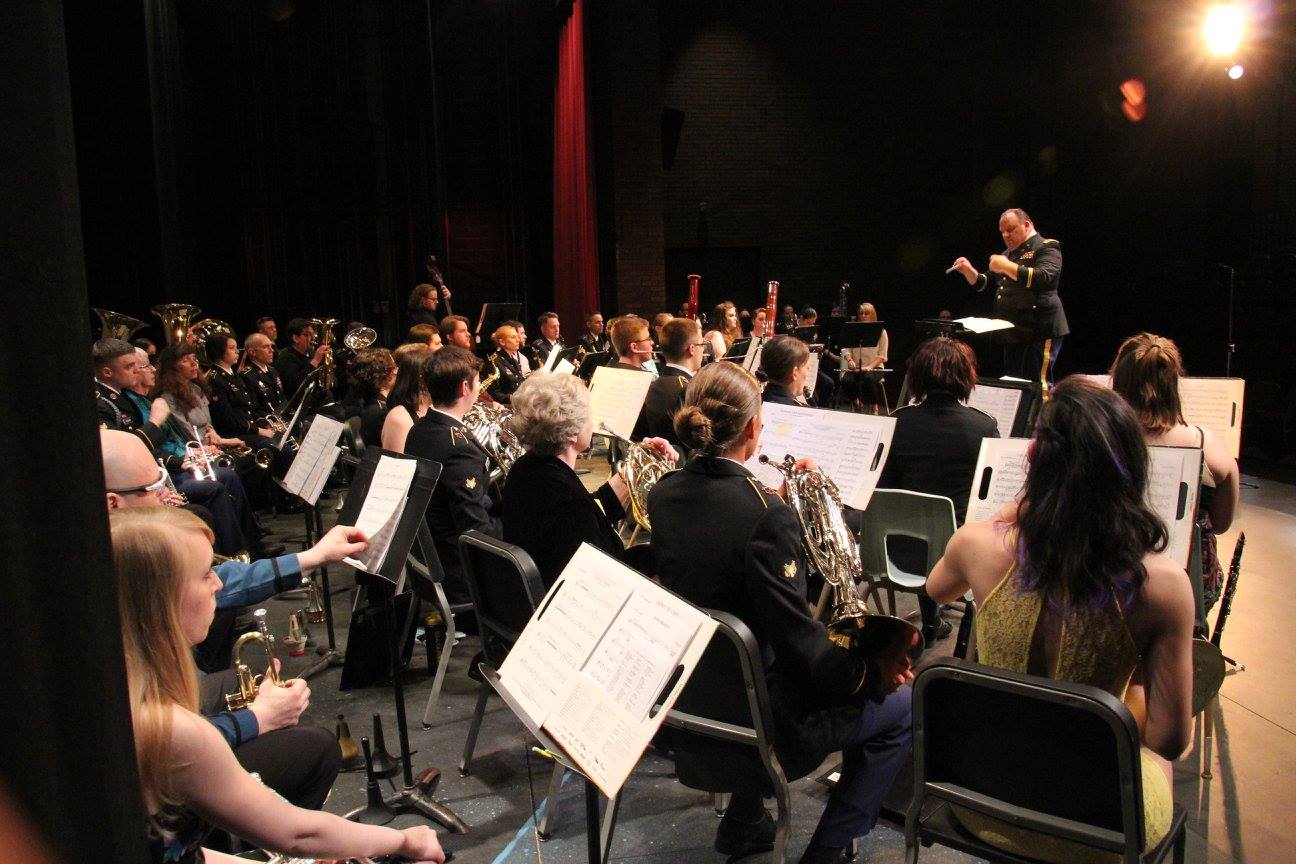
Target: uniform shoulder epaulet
[984,413]
[1048,240]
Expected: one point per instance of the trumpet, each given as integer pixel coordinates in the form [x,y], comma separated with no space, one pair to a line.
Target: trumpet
[831,547]
[248,682]
[640,468]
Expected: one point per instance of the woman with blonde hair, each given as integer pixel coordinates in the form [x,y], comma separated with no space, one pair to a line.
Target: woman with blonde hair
[189,778]
[1146,372]
[725,329]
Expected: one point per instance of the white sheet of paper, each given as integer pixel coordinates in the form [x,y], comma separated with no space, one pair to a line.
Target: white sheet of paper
[1005,459]
[844,446]
[751,360]
[551,359]
[984,325]
[812,373]
[1100,380]
[571,619]
[1215,404]
[600,737]
[617,397]
[1175,476]
[381,511]
[314,460]
[1000,403]
[564,367]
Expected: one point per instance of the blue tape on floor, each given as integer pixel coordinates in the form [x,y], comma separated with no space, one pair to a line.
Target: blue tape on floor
[527,826]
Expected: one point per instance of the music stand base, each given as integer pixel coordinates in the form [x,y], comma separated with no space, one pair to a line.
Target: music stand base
[411,799]
[329,658]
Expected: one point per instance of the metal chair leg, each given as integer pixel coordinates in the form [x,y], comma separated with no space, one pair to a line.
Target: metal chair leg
[782,823]
[444,662]
[479,711]
[551,802]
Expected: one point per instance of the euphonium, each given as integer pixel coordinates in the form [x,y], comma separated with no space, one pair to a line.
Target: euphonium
[487,423]
[832,548]
[249,682]
[115,325]
[360,338]
[175,320]
[640,468]
[204,328]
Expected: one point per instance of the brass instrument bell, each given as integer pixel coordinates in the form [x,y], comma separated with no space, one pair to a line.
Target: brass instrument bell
[314,607]
[360,338]
[249,683]
[175,320]
[114,325]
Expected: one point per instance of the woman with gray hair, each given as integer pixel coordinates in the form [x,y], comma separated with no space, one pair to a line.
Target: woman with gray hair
[547,510]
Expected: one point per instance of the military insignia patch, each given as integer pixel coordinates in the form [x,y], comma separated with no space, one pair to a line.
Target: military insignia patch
[789,570]
[1028,256]
[471,482]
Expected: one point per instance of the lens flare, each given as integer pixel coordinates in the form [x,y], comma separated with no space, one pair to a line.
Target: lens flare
[1223,29]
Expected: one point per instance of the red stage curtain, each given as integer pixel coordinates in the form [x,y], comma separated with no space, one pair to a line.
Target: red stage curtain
[575,235]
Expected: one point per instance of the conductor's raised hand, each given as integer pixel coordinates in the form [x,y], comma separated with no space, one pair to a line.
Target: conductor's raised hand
[965,269]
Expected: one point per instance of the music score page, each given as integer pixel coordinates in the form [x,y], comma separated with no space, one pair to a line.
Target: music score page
[381,511]
[314,460]
[617,397]
[1000,403]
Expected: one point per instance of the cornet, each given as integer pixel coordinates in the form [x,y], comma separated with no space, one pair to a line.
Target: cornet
[248,682]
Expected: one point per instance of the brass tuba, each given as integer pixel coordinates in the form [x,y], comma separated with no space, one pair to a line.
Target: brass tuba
[175,320]
[487,423]
[832,548]
[115,325]
[640,468]
[249,683]
[208,327]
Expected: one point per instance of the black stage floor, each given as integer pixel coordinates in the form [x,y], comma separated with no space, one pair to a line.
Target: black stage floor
[1243,812]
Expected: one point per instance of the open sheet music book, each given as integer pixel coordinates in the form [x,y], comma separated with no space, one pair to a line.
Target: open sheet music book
[850,448]
[984,325]
[1215,404]
[601,662]
[381,511]
[1000,403]
[1174,484]
[314,460]
[617,397]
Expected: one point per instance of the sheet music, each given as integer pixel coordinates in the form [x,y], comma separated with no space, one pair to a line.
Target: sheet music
[751,360]
[1174,482]
[1174,473]
[593,661]
[844,446]
[1100,380]
[1000,403]
[552,359]
[381,511]
[564,367]
[984,325]
[1215,404]
[617,397]
[1005,459]
[314,460]
[812,372]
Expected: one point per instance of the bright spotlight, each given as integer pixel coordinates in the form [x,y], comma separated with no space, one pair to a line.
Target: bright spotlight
[1235,71]
[1223,29]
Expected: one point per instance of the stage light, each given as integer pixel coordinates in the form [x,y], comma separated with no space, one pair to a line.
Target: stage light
[1223,29]
[1235,71]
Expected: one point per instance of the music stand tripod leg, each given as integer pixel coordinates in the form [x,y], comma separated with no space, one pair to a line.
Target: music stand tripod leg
[443,662]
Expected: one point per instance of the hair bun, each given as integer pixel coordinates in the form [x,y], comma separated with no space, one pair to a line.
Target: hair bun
[694,428]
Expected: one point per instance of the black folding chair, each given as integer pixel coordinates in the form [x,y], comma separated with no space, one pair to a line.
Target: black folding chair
[427,578]
[1052,757]
[722,726]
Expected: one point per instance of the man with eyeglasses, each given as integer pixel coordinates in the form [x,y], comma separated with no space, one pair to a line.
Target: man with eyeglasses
[299,761]
[683,347]
[631,342]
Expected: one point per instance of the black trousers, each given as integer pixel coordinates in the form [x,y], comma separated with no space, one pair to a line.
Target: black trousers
[300,762]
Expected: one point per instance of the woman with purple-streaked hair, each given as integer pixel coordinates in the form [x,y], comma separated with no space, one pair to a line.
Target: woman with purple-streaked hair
[1071,584]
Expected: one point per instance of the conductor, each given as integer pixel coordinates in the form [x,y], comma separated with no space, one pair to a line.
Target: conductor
[1025,281]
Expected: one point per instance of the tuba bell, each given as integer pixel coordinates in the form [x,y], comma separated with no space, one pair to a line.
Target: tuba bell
[832,549]
[176,318]
[114,325]
[249,683]
[360,338]
[640,468]
[208,327]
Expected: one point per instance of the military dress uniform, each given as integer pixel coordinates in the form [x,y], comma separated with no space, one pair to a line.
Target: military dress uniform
[265,384]
[117,411]
[510,376]
[460,502]
[725,542]
[541,347]
[593,344]
[1032,304]
[235,409]
[665,396]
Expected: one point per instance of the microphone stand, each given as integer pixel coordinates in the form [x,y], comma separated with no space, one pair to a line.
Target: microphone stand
[1232,346]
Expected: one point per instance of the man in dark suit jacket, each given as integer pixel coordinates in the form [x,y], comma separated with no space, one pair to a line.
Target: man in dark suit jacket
[460,501]
[683,348]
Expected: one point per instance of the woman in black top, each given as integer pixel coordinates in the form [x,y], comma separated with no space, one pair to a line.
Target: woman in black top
[547,510]
[373,372]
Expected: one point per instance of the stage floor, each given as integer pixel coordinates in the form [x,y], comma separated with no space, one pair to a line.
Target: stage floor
[1245,811]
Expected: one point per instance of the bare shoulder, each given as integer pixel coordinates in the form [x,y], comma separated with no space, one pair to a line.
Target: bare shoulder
[192,737]
[1167,596]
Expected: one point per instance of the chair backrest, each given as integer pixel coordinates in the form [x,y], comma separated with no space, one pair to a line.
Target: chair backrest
[1045,755]
[725,700]
[505,586]
[357,441]
[899,512]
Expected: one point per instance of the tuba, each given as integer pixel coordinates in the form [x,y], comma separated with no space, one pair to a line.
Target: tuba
[487,423]
[208,327]
[175,320]
[115,325]
[833,550]
[248,682]
[640,468]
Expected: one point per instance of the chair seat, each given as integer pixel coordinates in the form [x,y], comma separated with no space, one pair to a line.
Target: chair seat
[943,827]
[905,579]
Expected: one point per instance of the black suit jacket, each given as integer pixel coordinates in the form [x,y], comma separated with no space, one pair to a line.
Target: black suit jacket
[725,542]
[935,448]
[549,513]
[117,411]
[779,395]
[510,376]
[665,396]
[1031,302]
[460,501]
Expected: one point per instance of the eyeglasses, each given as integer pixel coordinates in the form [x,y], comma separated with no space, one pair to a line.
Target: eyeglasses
[154,487]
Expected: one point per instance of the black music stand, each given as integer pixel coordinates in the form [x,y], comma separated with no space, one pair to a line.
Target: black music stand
[592,361]
[568,354]
[492,315]
[414,797]
[1027,405]
[808,334]
[738,350]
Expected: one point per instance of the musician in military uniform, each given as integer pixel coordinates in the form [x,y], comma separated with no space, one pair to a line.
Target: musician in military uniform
[683,349]
[460,501]
[507,364]
[725,542]
[786,363]
[1025,278]
[234,407]
[261,376]
[549,340]
[594,339]
[299,360]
